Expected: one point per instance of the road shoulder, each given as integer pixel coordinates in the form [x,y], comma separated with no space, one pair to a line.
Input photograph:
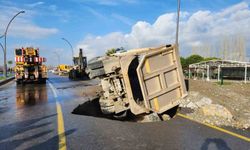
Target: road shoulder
[2,82]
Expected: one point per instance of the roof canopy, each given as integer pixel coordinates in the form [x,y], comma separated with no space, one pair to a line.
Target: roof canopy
[221,63]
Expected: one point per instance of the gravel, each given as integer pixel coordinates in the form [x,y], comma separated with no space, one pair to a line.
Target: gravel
[226,105]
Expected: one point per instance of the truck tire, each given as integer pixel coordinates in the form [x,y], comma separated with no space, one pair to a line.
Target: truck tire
[107,107]
[96,73]
[95,63]
[121,115]
[106,103]
[108,110]
[72,74]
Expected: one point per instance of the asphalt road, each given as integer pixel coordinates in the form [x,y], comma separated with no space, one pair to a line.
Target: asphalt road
[30,118]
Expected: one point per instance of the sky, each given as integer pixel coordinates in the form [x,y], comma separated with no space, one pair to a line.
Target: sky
[98,25]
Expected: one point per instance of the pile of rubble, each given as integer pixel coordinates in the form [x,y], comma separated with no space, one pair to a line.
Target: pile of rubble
[206,110]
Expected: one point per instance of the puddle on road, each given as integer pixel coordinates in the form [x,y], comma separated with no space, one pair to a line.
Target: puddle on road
[30,94]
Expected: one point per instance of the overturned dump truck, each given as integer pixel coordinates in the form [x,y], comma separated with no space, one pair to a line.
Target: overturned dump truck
[142,81]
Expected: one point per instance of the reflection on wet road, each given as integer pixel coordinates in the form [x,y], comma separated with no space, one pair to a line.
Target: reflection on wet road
[27,117]
[31,94]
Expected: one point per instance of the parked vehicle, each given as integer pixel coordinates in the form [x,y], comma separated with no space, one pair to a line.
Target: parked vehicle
[78,71]
[63,69]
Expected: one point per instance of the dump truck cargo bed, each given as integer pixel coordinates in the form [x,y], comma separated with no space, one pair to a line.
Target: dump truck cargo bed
[161,79]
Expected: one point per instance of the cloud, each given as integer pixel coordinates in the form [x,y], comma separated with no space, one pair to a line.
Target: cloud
[196,28]
[95,45]
[35,4]
[96,13]
[31,31]
[123,19]
[52,7]
[110,2]
[53,10]
[111,17]
[22,25]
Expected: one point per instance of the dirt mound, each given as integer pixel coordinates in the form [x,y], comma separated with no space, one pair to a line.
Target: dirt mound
[226,105]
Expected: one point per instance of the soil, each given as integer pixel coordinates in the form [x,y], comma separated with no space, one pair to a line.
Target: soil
[229,104]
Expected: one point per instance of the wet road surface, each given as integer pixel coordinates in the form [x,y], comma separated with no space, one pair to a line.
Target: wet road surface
[29,120]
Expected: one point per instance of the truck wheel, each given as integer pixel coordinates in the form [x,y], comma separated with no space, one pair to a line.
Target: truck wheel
[121,115]
[95,63]
[108,110]
[105,103]
[72,74]
[96,73]
[107,107]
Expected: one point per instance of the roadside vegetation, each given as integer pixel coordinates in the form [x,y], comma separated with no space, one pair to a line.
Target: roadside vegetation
[8,75]
[185,62]
[115,50]
[2,78]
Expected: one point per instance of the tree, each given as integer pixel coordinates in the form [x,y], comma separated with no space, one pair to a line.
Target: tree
[114,50]
[184,62]
[110,51]
[194,59]
[10,62]
[211,58]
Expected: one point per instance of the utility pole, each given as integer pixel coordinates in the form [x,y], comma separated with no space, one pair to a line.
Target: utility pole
[177,24]
[5,41]
[2,44]
[2,47]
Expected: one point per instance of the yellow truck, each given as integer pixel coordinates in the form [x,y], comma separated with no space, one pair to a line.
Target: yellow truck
[63,69]
[29,66]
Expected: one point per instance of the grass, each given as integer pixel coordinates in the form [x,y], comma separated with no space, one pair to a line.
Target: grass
[8,75]
[2,78]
